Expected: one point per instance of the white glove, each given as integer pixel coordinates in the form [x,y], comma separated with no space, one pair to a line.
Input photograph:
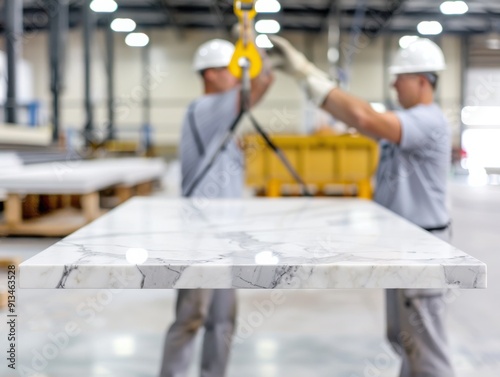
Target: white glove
[293,62]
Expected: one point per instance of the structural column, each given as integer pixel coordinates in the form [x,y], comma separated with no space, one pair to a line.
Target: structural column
[58,30]
[146,103]
[464,69]
[88,29]
[110,71]
[13,16]
[334,33]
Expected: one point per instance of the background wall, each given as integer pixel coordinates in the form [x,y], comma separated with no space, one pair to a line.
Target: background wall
[175,85]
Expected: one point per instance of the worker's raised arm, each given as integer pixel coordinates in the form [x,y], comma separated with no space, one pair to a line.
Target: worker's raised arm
[359,114]
[261,84]
[324,93]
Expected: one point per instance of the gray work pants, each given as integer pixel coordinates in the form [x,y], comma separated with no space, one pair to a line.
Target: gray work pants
[416,329]
[214,309]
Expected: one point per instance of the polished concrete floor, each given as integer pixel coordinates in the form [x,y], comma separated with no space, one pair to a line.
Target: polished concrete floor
[312,333]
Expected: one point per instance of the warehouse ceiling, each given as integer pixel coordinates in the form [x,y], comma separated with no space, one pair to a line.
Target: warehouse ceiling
[374,16]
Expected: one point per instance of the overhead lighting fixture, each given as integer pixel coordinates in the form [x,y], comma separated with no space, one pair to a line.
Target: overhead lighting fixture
[103,6]
[267,26]
[123,25]
[454,7]
[429,28]
[263,41]
[407,40]
[267,6]
[137,40]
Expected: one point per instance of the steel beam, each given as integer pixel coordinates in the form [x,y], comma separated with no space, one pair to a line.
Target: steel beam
[464,69]
[146,101]
[171,14]
[88,29]
[334,38]
[13,13]
[110,71]
[58,11]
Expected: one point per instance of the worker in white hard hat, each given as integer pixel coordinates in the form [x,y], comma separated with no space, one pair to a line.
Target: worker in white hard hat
[207,120]
[411,181]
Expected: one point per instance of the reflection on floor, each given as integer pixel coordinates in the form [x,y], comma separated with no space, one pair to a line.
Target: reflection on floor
[91,333]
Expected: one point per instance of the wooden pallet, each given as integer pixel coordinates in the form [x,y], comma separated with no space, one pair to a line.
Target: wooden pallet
[60,215]
[125,192]
[37,204]
[49,215]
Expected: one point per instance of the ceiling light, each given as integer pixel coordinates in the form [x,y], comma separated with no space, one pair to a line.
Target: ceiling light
[263,41]
[429,28]
[407,40]
[103,6]
[454,7]
[267,6]
[123,25]
[267,26]
[137,39]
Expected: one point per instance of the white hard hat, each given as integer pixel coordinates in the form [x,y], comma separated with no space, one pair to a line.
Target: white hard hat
[420,56]
[215,53]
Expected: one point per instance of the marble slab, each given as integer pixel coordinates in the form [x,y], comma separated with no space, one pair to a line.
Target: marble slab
[255,244]
[81,177]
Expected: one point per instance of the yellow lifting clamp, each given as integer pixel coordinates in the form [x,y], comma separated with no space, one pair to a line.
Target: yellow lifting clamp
[245,47]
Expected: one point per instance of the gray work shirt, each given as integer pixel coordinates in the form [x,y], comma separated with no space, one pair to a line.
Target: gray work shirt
[204,127]
[412,176]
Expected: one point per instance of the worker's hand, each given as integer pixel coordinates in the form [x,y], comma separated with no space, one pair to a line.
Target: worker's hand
[293,62]
[289,59]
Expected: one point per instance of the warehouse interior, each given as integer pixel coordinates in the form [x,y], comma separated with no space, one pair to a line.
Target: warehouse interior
[92,117]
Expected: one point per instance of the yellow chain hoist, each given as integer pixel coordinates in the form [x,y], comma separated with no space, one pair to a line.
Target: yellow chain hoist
[245,47]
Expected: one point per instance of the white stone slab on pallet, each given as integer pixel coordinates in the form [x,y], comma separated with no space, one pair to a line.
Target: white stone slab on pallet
[81,177]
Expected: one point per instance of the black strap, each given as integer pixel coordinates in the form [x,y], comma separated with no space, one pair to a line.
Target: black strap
[194,130]
[438,228]
[208,166]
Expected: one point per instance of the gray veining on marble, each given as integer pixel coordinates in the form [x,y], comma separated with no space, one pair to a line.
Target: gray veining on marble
[255,243]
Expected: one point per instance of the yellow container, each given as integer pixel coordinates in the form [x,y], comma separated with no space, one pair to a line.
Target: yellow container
[321,160]
[121,146]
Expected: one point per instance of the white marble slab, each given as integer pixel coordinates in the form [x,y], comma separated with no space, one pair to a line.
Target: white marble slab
[81,177]
[256,243]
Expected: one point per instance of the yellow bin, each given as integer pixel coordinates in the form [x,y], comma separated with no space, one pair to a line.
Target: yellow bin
[321,160]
